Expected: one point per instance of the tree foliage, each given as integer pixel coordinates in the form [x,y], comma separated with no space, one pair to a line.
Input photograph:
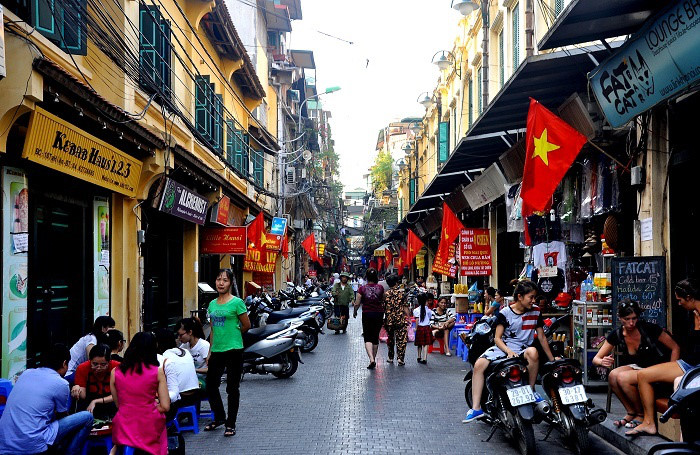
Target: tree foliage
[381,172]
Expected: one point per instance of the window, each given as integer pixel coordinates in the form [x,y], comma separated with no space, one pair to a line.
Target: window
[237,148]
[471,101]
[516,36]
[411,191]
[209,108]
[558,6]
[154,52]
[61,21]
[258,167]
[480,86]
[501,59]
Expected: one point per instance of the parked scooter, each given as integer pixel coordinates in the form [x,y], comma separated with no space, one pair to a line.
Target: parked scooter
[297,296]
[569,410]
[310,317]
[272,349]
[686,403]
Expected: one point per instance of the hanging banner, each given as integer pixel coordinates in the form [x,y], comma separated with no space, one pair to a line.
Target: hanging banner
[228,240]
[219,211]
[15,233]
[475,252]
[659,61]
[420,260]
[446,266]
[260,261]
[101,260]
[56,144]
[182,202]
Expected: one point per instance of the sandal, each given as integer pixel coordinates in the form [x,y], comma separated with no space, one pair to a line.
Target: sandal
[633,424]
[637,432]
[624,421]
[230,431]
[402,363]
[213,426]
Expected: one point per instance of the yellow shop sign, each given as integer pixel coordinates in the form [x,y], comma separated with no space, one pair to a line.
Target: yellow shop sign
[59,145]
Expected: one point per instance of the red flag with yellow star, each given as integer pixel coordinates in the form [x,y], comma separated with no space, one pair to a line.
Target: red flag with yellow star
[551,147]
[413,246]
[451,227]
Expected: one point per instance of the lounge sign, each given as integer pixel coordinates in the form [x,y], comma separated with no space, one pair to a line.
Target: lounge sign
[57,144]
[183,203]
[659,61]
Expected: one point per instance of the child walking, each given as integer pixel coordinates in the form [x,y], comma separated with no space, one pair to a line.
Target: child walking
[424,336]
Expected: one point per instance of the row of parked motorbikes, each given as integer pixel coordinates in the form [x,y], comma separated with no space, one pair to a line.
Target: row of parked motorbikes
[283,328]
[509,403]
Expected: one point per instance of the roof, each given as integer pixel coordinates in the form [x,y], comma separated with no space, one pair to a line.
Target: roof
[549,78]
[584,21]
[222,34]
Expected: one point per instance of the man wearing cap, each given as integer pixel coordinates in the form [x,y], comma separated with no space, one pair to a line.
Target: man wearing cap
[343,295]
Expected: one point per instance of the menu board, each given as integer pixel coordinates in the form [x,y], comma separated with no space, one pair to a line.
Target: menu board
[642,279]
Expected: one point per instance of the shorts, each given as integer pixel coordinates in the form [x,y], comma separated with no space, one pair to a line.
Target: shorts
[685,366]
[495,353]
[371,325]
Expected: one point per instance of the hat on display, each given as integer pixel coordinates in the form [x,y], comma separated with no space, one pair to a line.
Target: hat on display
[563,300]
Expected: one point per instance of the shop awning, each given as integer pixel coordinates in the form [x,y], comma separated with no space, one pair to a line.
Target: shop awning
[584,21]
[550,78]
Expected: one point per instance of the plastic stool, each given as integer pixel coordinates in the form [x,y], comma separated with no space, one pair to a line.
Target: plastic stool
[432,347]
[98,441]
[454,335]
[206,414]
[194,424]
[128,450]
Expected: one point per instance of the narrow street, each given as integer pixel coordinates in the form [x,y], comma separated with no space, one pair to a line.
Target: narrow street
[334,405]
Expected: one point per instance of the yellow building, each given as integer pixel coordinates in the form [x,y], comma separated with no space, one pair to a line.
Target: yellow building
[121,125]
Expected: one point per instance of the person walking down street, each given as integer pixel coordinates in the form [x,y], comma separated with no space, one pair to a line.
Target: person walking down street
[136,384]
[424,337]
[32,421]
[395,314]
[371,298]
[441,323]
[641,345]
[343,296]
[688,294]
[229,320]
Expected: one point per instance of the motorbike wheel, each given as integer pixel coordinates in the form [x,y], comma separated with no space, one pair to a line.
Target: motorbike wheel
[524,435]
[468,393]
[312,341]
[292,363]
[578,434]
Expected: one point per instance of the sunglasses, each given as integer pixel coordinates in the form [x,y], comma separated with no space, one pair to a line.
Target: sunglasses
[627,304]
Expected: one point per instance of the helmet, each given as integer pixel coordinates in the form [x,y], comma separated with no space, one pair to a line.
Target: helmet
[563,300]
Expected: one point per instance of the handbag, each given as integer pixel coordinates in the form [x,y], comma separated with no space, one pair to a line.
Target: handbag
[411,333]
[334,323]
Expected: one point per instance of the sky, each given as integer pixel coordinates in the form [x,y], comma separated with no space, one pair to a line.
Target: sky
[381,74]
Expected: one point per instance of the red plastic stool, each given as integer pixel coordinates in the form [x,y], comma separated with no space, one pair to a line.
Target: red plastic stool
[432,347]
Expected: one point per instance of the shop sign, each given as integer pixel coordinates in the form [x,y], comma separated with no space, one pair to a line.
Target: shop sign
[446,266]
[227,240]
[659,61]
[260,261]
[278,226]
[486,188]
[57,144]
[271,242]
[266,280]
[420,261]
[475,249]
[183,203]
[312,273]
[219,211]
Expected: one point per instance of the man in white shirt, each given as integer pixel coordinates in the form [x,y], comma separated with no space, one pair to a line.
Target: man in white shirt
[178,365]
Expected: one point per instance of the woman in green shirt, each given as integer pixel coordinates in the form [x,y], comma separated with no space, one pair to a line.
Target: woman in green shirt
[229,321]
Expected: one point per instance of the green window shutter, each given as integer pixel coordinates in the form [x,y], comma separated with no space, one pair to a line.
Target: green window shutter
[230,139]
[202,109]
[165,67]
[412,191]
[516,36]
[44,20]
[558,7]
[63,22]
[218,123]
[241,159]
[443,142]
[501,59]
[480,86]
[258,167]
[471,101]
[149,43]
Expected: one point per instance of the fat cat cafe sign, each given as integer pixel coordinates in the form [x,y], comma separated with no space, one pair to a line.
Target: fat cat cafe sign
[659,61]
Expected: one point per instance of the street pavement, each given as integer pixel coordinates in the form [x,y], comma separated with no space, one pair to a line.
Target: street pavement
[334,405]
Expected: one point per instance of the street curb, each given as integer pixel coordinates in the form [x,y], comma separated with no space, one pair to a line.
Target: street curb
[616,437]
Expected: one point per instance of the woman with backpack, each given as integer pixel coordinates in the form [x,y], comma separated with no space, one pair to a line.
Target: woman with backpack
[640,344]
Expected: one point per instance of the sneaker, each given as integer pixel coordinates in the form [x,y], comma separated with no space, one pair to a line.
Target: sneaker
[473,415]
[538,397]
[448,354]
[390,360]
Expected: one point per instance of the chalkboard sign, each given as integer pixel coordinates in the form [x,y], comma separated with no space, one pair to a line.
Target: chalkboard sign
[642,279]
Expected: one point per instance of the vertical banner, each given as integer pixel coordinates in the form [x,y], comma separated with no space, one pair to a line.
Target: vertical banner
[101,256]
[15,245]
[475,250]
[444,142]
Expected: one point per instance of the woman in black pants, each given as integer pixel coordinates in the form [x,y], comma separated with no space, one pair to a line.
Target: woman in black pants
[229,321]
[371,297]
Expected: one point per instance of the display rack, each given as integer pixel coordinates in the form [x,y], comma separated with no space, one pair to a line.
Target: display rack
[590,320]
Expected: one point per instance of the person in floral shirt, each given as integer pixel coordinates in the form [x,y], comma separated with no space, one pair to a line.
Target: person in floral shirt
[395,314]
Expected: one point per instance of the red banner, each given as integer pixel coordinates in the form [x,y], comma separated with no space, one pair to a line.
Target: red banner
[446,266]
[260,261]
[475,245]
[270,242]
[228,240]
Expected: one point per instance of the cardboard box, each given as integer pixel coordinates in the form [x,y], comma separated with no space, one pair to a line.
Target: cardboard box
[670,430]
[462,305]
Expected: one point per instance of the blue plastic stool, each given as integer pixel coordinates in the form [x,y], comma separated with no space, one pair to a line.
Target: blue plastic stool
[5,389]
[454,335]
[206,414]
[98,441]
[194,425]
[128,450]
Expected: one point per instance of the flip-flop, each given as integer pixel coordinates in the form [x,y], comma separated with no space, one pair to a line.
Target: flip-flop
[230,431]
[213,426]
[624,421]
[636,433]
[633,424]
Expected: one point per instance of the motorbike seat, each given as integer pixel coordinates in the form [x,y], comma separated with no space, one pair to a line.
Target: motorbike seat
[260,333]
[549,366]
[286,314]
[504,362]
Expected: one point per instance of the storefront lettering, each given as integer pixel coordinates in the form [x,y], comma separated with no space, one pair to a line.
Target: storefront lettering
[193,202]
[112,165]
[629,83]
[636,267]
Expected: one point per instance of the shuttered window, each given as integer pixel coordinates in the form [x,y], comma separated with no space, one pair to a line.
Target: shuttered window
[258,167]
[480,85]
[471,102]
[209,108]
[155,49]
[412,191]
[501,60]
[558,7]
[516,36]
[63,22]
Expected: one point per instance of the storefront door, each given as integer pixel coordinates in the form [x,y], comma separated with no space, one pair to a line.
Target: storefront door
[57,264]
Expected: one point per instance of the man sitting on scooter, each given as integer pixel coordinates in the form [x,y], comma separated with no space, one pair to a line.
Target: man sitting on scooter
[515,332]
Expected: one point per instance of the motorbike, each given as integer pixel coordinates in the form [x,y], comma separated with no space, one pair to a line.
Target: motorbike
[686,403]
[295,297]
[311,320]
[507,399]
[272,349]
[569,410]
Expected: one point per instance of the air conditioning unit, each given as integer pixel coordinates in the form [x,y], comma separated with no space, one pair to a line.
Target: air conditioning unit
[290,177]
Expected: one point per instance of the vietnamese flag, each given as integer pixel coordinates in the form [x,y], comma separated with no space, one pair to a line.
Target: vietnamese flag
[380,263]
[413,246]
[551,147]
[451,227]
[255,231]
[285,246]
[309,245]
